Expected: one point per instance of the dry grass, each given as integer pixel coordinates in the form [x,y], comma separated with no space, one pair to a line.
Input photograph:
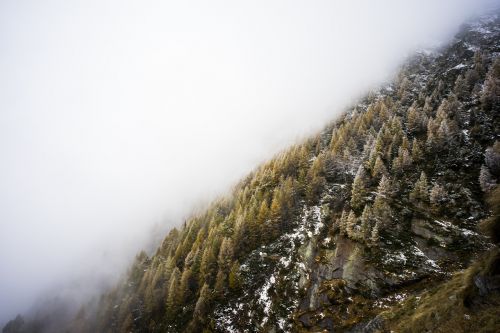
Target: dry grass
[443,308]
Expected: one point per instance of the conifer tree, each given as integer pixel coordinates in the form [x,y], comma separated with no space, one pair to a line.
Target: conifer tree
[384,188]
[479,62]
[438,91]
[186,286]
[382,211]
[342,222]
[427,109]
[420,193]
[490,96]
[234,276]
[202,304]
[379,168]
[263,223]
[416,120]
[471,76]
[461,88]
[275,213]
[252,229]
[263,213]
[208,265]
[358,189]
[226,254]
[486,180]
[416,151]
[402,161]
[366,222]
[220,284]
[375,237]
[316,179]
[173,298]
[437,197]
[351,225]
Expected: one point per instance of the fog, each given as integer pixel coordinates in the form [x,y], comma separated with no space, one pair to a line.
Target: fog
[117,118]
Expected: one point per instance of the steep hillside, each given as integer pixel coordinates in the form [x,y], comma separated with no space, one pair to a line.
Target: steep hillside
[369,226]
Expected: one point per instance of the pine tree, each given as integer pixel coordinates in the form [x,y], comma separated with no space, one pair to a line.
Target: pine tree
[445,133]
[405,143]
[252,229]
[316,179]
[358,189]
[263,222]
[427,109]
[402,161]
[416,120]
[479,62]
[234,276]
[351,225]
[184,286]
[461,88]
[472,77]
[220,284]
[416,151]
[276,212]
[202,304]
[208,265]
[486,180]
[263,213]
[375,237]
[173,298]
[342,222]
[420,193]
[366,222]
[490,96]
[432,137]
[379,168]
[382,211]
[404,88]
[384,188]
[226,254]
[438,91]
[438,196]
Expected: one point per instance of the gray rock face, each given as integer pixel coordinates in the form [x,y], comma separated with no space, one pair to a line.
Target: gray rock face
[423,229]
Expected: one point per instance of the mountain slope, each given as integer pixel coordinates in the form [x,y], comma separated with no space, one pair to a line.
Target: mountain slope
[378,206]
[361,228]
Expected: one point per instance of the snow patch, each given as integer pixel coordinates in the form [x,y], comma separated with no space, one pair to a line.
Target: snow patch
[285,261]
[468,233]
[459,66]
[395,258]
[264,298]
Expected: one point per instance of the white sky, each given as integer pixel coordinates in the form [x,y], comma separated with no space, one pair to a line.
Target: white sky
[116,115]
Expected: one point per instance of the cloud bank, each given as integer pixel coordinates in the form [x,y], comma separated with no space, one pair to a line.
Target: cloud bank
[117,116]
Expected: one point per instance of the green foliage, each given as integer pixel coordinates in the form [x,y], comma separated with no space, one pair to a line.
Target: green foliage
[420,193]
[359,189]
[234,277]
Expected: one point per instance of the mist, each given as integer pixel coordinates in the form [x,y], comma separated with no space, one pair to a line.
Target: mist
[118,118]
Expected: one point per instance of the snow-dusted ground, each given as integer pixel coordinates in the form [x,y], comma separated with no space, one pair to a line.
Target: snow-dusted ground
[272,272]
